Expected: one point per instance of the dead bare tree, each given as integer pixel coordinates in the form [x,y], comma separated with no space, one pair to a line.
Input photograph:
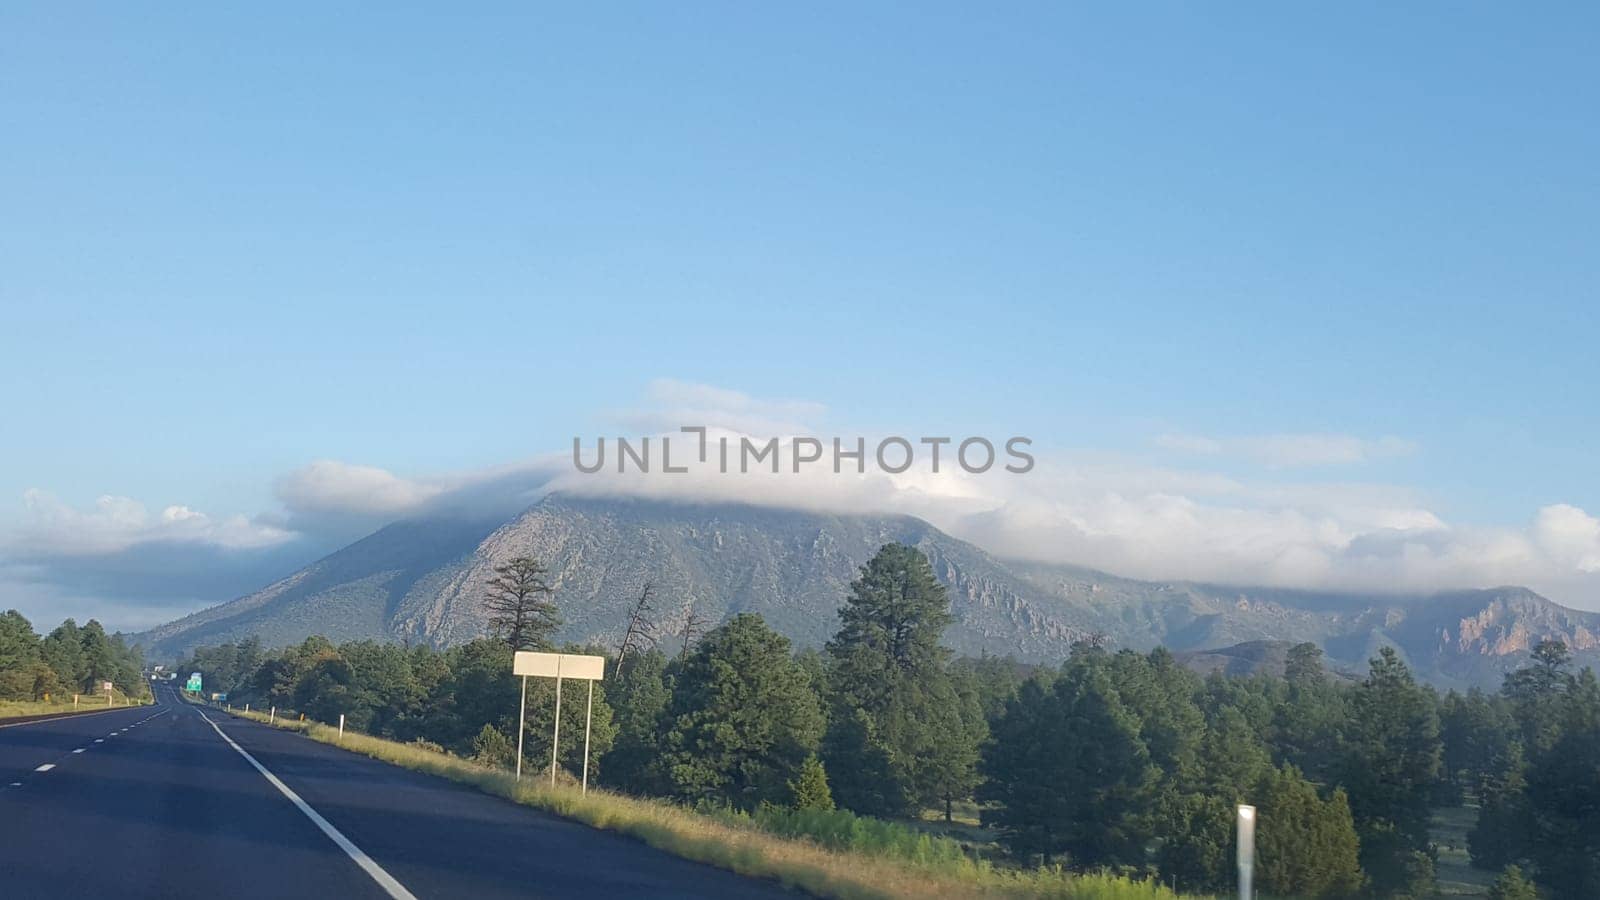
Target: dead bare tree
[519,612]
[693,626]
[641,630]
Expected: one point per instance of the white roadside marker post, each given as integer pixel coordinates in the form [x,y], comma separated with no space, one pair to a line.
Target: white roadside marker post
[272,716]
[74,701]
[1247,851]
[341,727]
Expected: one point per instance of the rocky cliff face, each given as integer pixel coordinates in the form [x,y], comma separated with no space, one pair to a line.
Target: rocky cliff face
[421,582]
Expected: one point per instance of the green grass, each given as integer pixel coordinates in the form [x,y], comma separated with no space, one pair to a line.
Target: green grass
[11,709]
[1456,876]
[827,854]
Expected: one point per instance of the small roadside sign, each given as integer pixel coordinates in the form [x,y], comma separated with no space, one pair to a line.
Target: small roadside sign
[558,666]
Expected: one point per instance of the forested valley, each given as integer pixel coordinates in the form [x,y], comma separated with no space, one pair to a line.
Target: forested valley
[1113,760]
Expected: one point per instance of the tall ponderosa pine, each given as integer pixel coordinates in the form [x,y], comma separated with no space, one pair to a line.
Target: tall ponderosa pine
[1307,846]
[1563,798]
[1537,695]
[1391,760]
[1476,730]
[895,705]
[744,717]
[19,655]
[1500,836]
[1194,819]
[893,619]
[1068,773]
[639,698]
[62,650]
[517,599]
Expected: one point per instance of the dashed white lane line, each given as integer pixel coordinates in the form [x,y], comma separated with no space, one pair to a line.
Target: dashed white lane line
[80,749]
[386,881]
[16,784]
[46,767]
[99,740]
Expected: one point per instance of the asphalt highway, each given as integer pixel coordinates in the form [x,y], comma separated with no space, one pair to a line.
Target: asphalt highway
[173,802]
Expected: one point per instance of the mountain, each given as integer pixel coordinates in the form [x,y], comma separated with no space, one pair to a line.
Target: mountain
[421,581]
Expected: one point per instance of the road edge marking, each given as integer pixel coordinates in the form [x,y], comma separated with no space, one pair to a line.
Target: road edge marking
[386,881]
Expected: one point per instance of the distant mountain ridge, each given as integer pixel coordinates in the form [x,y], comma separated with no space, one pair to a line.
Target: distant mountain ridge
[421,581]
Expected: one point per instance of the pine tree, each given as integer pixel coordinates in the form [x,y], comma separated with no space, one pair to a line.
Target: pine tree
[1306,846]
[886,662]
[1537,695]
[1511,885]
[809,789]
[1501,833]
[492,748]
[639,699]
[62,651]
[1563,799]
[19,655]
[1195,820]
[1067,772]
[743,717]
[1390,764]
[519,612]
[893,619]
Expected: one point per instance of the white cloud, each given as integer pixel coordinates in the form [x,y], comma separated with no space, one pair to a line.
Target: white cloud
[54,528]
[1287,451]
[1098,510]
[346,500]
[332,486]
[1569,536]
[1093,509]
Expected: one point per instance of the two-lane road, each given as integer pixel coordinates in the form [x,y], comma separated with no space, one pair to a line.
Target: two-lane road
[164,802]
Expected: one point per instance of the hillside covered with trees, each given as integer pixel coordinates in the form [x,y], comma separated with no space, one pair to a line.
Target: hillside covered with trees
[1111,760]
[69,660]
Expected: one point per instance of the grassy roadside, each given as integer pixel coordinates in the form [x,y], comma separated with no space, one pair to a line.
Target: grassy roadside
[739,845]
[11,709]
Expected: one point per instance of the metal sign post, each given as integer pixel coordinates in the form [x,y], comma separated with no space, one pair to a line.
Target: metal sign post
[555,741]
[588,716]
[1247,851]
[522,714]
[557,666]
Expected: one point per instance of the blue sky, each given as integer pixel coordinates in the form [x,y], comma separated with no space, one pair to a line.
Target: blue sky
[1157,239]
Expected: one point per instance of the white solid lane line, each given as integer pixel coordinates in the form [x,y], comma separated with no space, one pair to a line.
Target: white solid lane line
[46,767]
[386,881]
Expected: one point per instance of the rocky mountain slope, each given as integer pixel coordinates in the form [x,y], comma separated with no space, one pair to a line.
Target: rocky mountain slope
[422,581]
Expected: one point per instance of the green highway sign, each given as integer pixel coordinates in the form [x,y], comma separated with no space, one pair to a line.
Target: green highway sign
[194,683]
